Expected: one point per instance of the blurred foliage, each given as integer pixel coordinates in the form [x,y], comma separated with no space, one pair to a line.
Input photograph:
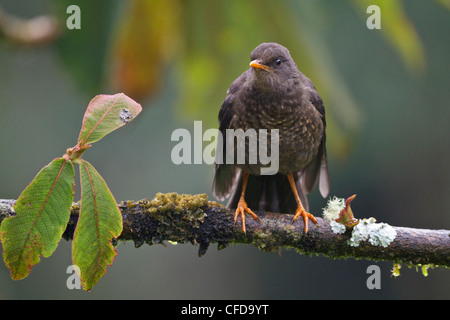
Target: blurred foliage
[399,31]
[444,3]
[133,46]
[85,52]
[144,42]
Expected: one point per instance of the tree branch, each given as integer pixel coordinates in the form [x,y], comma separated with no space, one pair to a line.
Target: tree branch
[33,31]
[194,219]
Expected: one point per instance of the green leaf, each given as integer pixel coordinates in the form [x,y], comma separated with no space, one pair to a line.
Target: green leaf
[100,220]
[42,214]
[106,113]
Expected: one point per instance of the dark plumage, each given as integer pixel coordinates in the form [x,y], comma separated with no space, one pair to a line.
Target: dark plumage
[274,94]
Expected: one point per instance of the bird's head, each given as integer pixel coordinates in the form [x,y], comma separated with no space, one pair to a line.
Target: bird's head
[272,61]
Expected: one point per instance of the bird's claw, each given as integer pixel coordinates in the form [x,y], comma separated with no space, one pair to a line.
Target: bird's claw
[241,209]
[306,216]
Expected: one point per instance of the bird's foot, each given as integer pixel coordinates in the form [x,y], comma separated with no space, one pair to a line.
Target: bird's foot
[241,209]
[306,216]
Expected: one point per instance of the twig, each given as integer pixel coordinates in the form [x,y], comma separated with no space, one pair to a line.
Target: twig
[34,31]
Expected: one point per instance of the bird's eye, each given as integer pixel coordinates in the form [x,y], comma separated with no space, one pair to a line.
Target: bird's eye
[278,61]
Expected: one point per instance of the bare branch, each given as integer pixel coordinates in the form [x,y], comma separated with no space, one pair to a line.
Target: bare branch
[34,31]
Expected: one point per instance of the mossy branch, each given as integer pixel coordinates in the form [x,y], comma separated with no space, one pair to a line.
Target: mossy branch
[194,219]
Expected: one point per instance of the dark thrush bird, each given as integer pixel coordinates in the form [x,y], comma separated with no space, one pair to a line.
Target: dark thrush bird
[273,94]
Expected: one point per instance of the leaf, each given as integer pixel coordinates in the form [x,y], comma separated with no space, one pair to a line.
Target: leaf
[100,220]
[106,113]
[42,214]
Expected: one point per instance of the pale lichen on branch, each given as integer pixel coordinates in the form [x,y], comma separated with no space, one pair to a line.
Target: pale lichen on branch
[194,219]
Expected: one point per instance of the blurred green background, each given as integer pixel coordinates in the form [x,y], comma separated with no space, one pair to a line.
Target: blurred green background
[386,94]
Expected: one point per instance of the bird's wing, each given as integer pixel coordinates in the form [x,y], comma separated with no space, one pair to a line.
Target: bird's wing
[317,170]
[226,175]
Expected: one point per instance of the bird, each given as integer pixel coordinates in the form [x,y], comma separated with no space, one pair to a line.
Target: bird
[273,94]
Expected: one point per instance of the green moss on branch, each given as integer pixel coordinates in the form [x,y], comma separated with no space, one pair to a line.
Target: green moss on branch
[194,219]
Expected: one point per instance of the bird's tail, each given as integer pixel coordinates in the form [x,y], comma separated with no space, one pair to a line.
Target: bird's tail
[270,193]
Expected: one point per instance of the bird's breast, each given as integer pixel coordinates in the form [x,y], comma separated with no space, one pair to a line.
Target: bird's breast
[299,124]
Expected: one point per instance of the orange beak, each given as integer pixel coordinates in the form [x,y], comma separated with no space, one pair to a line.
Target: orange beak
[255,64]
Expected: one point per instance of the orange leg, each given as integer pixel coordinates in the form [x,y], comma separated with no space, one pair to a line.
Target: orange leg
[242,205]
[300,210]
